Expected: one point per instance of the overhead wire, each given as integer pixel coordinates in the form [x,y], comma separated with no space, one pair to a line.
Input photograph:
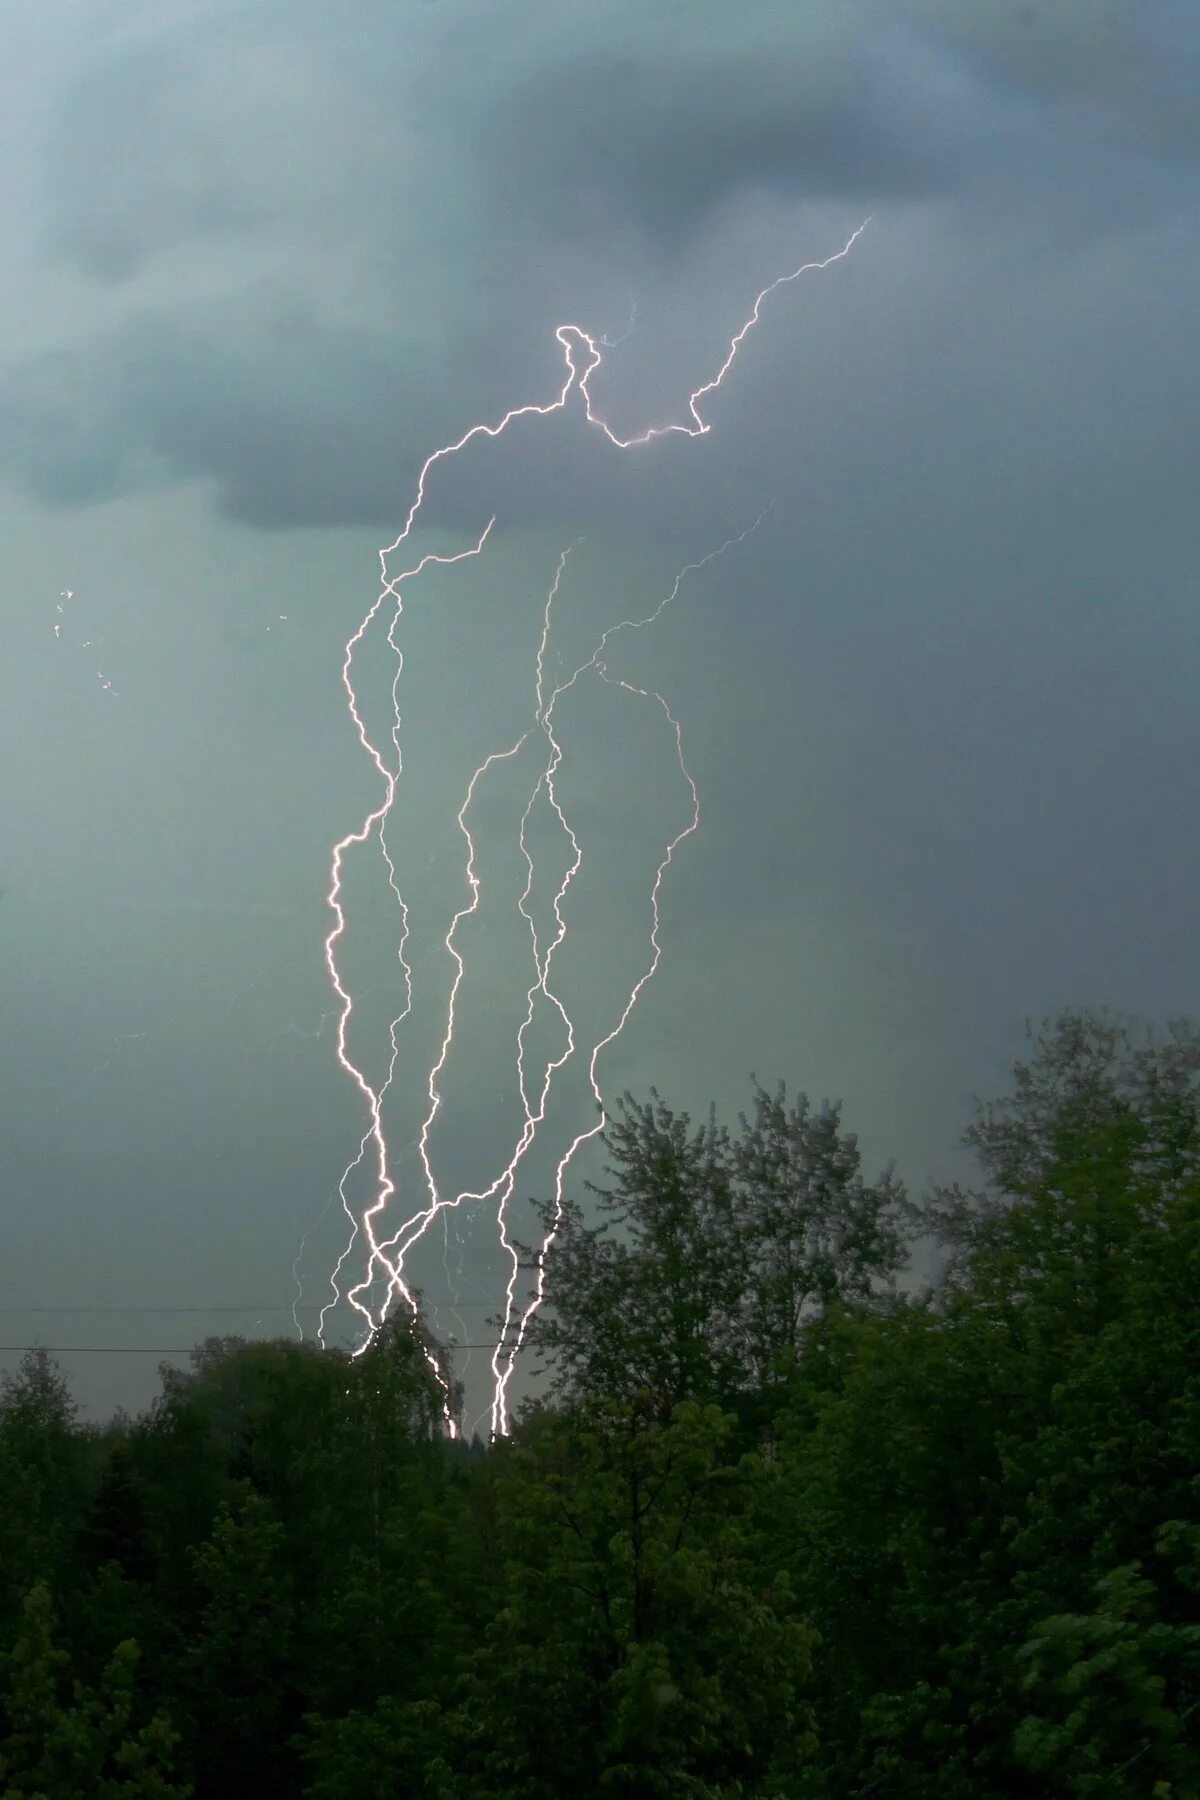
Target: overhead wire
[171,1350]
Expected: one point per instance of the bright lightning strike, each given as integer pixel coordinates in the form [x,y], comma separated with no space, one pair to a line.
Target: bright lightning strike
[386,1255]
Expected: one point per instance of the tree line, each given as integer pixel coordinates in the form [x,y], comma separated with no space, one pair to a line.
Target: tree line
[781,1521]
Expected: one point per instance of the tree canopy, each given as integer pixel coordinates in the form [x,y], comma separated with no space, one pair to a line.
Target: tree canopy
[783,1520]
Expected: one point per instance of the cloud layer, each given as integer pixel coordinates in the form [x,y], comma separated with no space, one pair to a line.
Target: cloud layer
[291,254]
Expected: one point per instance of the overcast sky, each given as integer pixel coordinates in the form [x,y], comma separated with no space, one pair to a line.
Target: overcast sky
[259,260]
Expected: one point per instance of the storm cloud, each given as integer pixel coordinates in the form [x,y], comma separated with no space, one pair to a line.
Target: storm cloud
[940,706]
[284,249]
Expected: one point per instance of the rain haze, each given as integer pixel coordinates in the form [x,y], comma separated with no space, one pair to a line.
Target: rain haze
[939,703]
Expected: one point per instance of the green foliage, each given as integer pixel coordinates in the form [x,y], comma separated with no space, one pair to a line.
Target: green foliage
[43,1462]
[713,1255]
[1105,1687]
[774,1531]
[63,1740]
[973,1465]
[238,1660]
[817,1237]
[640,1647]
[647,1301]
[398,1747]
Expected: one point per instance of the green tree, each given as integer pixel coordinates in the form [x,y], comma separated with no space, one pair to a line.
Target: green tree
[815,1235]
[640,1647]
[647,1301]
[712,1256]
[1088,1075]
[397,1748]
[972,1465]
[239,1664]
[62,1740]
[116,1528]
[43,1466]
[1103,1685]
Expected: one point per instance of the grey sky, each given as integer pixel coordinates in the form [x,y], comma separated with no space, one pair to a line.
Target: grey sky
[259,260]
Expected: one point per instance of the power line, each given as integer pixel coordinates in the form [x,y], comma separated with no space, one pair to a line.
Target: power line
[173,1311]
[91,1350]
[140,1311]
[174,1350]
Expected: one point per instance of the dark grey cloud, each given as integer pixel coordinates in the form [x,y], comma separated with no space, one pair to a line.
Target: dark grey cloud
[609,141]
[290,419]
[940,707]
[303,249]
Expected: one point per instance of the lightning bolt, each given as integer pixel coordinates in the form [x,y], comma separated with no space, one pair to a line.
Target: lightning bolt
[582,356]
[374,1134]
[501,1189]
[502,1371]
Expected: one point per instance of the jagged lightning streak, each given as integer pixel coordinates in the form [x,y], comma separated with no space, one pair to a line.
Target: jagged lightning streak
[373,1096]
[570,337]
[379,1251]
[582,356]
[700,427]
[503,1375]
[542,965]
[501,1188]
[415,1227]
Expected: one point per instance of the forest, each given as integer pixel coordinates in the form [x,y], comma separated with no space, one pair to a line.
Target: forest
[827,1490]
